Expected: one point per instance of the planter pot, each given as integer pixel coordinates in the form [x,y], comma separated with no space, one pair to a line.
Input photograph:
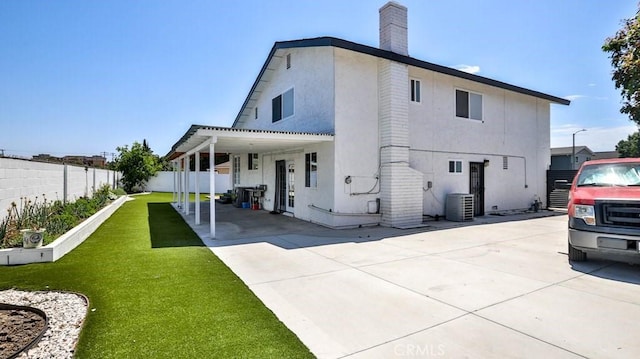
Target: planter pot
[32,238]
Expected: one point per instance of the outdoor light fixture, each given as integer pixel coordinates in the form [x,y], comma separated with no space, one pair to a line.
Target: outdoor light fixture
[347,180]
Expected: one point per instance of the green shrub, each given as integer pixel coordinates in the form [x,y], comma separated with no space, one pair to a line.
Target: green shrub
[56,217]
[119,192]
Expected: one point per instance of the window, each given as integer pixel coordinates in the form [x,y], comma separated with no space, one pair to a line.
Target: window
[311,170]
[282,106]
[468,105]
[253,161]
[256,113]
[505,162]
[236,170]
[415,90]
[455,166]
[288,61]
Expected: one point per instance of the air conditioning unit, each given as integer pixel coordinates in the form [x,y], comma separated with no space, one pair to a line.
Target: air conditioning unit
[459,207]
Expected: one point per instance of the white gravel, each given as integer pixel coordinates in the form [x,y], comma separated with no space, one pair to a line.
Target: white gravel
[66,313]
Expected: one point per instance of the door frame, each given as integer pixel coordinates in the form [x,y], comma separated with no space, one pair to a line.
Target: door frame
[280,200]
[477,186]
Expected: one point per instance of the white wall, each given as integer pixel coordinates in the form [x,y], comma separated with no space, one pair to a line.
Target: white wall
[514,125]
[357,131]
[163,182]
[311,76]
[21,178]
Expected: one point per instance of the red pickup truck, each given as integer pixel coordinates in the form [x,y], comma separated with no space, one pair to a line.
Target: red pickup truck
[604,208]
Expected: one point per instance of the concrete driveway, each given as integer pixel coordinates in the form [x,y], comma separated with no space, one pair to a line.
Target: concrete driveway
[489,290]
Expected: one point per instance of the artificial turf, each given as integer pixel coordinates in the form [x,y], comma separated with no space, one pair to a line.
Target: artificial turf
[156,292]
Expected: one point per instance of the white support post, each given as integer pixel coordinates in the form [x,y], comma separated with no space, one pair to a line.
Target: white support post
[212,187]
[197,185]
[187,192]
[180,183]
[173,173]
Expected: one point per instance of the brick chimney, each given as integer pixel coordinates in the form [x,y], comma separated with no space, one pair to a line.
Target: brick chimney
[393,28]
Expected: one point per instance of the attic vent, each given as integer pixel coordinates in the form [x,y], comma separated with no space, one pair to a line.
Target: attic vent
[288,61]
[505,163]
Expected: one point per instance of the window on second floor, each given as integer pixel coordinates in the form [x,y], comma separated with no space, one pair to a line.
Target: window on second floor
[415,90]
[282,106]
[468,105]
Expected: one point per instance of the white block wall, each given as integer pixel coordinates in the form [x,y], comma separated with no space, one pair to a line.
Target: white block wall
[22,178]
[163,182]
[400,186]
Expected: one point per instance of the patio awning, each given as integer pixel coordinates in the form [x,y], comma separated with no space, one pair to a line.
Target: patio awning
[238,140]
[206,139]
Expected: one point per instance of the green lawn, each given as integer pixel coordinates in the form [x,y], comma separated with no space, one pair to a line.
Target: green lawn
[158,292]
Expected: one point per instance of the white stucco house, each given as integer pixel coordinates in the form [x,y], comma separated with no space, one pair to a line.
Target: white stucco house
[344,134]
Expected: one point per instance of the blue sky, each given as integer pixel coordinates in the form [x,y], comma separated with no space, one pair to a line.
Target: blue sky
[83,77]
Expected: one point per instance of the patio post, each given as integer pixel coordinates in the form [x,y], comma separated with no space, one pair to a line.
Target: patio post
[187,192]
[180,183]
[197,185]
[212,187]
[173,176]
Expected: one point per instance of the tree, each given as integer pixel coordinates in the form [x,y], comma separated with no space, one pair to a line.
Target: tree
[630,147]
[624,51]
[137,165]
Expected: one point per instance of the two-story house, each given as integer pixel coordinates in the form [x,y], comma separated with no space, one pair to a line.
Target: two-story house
[344,134]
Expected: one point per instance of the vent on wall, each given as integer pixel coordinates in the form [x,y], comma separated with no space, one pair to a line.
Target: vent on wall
[459,207]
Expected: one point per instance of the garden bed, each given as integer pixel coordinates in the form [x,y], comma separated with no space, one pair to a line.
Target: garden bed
[64,244]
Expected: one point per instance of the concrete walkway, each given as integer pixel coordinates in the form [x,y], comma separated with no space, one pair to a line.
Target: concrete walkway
[495,290]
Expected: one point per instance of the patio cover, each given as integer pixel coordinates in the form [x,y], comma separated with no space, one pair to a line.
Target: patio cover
[206,139]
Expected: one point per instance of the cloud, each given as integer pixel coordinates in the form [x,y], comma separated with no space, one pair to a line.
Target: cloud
[472,69]
[591,85]
[574,97]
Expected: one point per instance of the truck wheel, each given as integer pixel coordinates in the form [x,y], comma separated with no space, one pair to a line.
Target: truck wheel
[576,254]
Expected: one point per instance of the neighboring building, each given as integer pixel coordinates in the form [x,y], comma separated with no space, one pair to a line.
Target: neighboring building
[561,157]
[345,134]
[91,161]
[605,155]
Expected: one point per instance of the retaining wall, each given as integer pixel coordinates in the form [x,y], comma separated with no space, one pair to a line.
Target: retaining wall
[64,244]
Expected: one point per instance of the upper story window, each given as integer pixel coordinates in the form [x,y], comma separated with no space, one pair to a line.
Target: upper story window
[256,113]
[415,90]
[468,105]
[288,61]
[282,106]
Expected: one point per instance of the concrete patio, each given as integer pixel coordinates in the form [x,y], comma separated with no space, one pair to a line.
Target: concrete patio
[499,289]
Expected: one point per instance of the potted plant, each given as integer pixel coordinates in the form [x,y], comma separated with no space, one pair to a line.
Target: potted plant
[32,237]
